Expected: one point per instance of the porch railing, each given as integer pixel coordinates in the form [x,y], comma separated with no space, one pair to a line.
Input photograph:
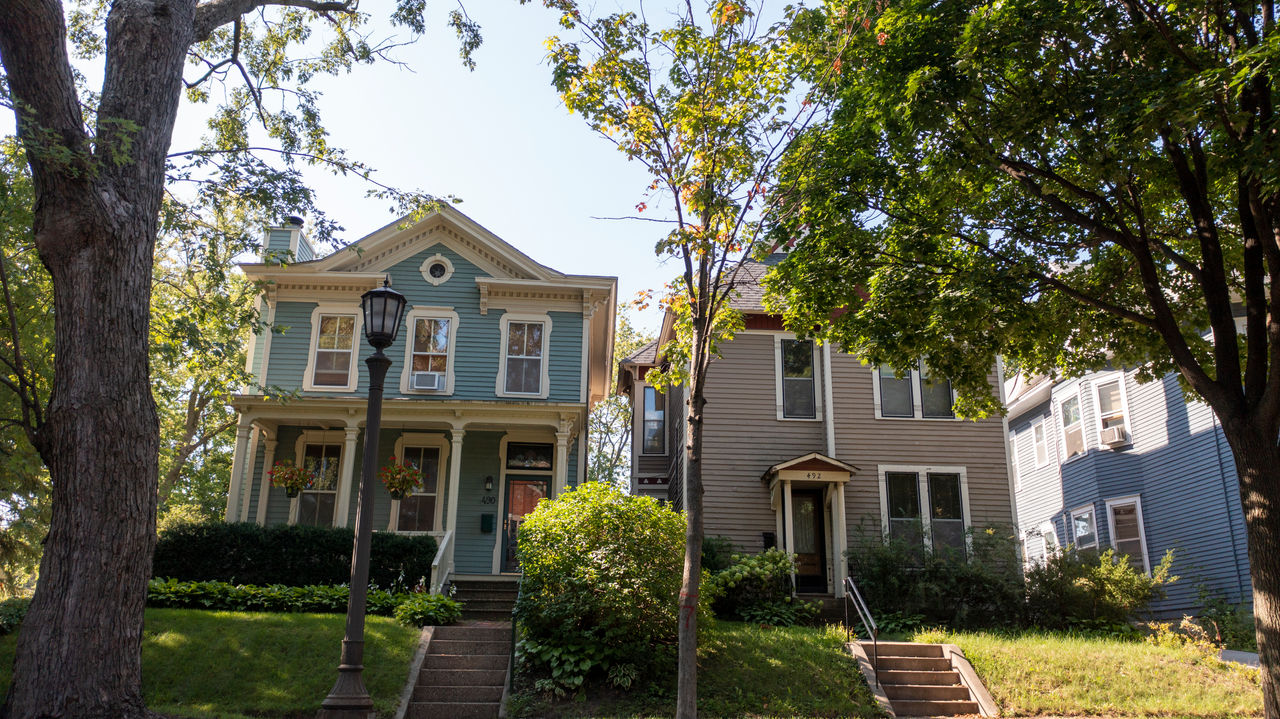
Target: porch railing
[854,597]
[442,565]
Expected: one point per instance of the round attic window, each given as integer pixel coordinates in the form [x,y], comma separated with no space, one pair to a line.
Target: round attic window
[437,269]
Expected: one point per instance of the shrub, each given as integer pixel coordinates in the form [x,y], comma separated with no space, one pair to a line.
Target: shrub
[12,611]
[421,609]
[246,553]
[983,589]
[1229,625]
[757,588]
[717,554]
[602,573]
[1082,589]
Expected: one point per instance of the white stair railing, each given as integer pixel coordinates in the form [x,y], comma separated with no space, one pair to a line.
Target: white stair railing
[442,565]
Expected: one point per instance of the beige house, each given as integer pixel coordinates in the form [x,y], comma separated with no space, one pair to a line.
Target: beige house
[809,449]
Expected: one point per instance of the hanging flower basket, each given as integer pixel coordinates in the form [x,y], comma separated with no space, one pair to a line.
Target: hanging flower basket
[291,477]
[400,479]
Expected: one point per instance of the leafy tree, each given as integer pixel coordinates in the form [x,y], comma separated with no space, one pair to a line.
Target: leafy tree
[1071,184]
[707,105]
[609,424]
[99,162]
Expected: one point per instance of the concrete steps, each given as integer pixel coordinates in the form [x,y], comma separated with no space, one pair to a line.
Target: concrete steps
[464,672]
[920,681]
[486,599]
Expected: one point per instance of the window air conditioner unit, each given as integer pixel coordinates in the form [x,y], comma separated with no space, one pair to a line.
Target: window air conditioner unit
[1114,436]
[428,380]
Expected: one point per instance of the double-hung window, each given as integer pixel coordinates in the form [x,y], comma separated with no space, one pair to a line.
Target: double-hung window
[926,508]
[654,438]
[1113,424]
[524,357]
[429,351]
[316,503]
[916,394]
[417,511]
[1125,516]
[799,390]
[1072,427]
[431,345]
[1041,440]
[1084,528]
[334,351]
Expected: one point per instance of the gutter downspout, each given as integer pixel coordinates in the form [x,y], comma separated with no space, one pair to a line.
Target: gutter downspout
[830,410]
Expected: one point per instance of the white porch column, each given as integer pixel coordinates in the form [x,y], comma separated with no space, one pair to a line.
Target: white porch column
[237,470]
[246,484]
[264,483]
[560,480]
[455,480]
[841,533]
[788,534]
[343,506]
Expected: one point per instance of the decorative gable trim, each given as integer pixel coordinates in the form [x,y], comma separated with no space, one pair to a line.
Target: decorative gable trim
[532,295]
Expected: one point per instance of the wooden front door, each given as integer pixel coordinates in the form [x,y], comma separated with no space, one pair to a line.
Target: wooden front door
[810,541]
[523,494]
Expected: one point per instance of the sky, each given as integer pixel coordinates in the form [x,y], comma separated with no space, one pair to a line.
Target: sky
[498,138]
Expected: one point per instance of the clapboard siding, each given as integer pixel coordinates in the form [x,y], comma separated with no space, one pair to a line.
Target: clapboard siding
[1177,464]
[1039,488]
[480,459]
[867,442]
[742,437]
[478,343]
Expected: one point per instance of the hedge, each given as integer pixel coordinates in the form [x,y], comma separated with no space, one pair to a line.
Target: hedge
[296,556]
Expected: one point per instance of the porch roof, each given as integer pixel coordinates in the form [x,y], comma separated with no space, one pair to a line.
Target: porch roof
[811,462]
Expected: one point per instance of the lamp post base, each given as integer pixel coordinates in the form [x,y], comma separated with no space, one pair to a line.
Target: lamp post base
[348,699]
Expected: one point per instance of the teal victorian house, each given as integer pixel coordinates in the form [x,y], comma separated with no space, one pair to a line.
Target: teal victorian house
[496,366]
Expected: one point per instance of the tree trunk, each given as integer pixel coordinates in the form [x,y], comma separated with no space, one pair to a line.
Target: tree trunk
[1257,460]
[96,212]
[687,677]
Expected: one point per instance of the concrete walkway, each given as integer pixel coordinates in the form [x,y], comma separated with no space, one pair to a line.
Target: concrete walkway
[1231,655]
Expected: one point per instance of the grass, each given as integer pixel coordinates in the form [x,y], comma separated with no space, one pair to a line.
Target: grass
[744,670]
[1032,674]
[233,664]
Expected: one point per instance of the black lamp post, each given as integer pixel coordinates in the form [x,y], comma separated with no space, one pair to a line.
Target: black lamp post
[383,309]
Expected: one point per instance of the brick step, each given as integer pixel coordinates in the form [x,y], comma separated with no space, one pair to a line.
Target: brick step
[454,710]
[938,664]
[903,649]
[468,646]
[472,632]
[465,661]
[490,605]
[914,708]
[890,676]
[462,677]
[926,692]
[486,615]
[457,694]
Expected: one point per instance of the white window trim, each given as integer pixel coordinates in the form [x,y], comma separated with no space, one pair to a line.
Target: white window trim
[1074,391]
[317,436]
[500,385]
[922,482]
[434,441]
[1136,501]
[1124,406]
[1074,537]
[426,264]
[917,403]
[637,423]
[423,312]
[1034,454]
[818,409]
[357,331]
[1013,460]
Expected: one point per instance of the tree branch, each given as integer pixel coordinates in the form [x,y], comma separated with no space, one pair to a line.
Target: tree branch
[214,14]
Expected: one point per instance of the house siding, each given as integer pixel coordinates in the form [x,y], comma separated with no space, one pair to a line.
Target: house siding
[477,343]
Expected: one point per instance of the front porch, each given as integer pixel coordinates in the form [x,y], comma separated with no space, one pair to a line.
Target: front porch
[484,464]
[807,496]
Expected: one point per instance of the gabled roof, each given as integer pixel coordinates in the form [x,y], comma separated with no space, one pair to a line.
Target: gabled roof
[646,355]
[813,461]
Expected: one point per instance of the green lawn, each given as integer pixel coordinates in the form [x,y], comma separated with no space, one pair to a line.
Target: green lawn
[1032,674]
[234,664]
[744,670]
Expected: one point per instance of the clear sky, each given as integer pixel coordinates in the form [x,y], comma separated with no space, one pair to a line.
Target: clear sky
[498,138]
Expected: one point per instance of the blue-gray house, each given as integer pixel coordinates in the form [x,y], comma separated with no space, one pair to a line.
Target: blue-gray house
[495,368]
[1103,461]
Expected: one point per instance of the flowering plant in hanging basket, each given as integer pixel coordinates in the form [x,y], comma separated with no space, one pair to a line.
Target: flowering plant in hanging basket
[293,478]
[400,479]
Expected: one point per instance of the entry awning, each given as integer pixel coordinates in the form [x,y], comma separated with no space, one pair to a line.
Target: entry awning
[811,467]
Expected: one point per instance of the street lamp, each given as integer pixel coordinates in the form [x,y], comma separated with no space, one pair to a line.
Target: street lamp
[383,309]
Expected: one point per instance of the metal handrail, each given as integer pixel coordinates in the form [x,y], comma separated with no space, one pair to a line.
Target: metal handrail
[853,596]
[443,558]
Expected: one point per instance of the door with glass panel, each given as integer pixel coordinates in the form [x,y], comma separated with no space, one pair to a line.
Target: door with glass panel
[523,494]
[810,544]
[316,503]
